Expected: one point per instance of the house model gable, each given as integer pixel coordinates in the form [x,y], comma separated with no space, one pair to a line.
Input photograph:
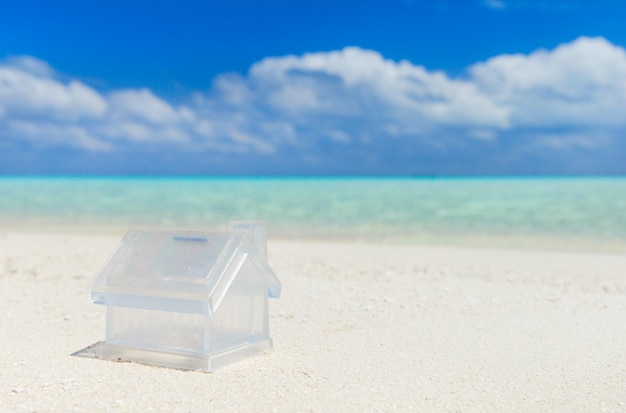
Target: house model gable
[194,300]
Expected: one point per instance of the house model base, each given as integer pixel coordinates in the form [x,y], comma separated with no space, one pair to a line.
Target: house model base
[180,360]
[188,300]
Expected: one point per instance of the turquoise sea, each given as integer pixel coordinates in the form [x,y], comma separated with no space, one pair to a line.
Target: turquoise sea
[561,213]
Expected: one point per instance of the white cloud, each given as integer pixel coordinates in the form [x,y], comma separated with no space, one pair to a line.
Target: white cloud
[134,131]
[30,65]
[24,94]
[339,136]
[494,4]
[568,140]
[582,83]
[550,5]
[143,105]
[41,133]
[354,81]
[345,96]
[36,106]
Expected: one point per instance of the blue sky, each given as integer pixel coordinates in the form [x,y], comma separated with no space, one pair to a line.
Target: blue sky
[409,87]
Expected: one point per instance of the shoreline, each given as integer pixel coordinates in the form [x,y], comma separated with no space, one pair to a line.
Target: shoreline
[517,242]
[358,327]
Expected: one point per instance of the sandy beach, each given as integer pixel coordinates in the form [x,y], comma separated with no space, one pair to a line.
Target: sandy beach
[359,327]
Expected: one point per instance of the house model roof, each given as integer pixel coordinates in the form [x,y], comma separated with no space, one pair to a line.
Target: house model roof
[182,271]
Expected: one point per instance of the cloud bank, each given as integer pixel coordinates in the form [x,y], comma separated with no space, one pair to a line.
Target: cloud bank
[535,4]
[573,95]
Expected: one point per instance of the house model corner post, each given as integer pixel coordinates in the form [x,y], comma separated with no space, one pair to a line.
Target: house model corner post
[257,231]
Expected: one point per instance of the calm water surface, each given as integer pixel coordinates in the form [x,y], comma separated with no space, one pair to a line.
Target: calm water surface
[555,213]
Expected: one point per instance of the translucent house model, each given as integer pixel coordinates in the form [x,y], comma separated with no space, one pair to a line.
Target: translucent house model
[189,300]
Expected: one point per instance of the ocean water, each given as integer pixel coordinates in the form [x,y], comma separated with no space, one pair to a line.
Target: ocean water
[562,213]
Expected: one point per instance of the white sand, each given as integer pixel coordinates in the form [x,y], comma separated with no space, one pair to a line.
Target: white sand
[359,327]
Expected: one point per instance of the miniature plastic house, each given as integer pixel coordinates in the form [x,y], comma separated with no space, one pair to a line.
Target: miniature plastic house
[188,300]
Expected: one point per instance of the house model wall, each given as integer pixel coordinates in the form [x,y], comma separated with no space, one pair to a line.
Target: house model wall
[190,300]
